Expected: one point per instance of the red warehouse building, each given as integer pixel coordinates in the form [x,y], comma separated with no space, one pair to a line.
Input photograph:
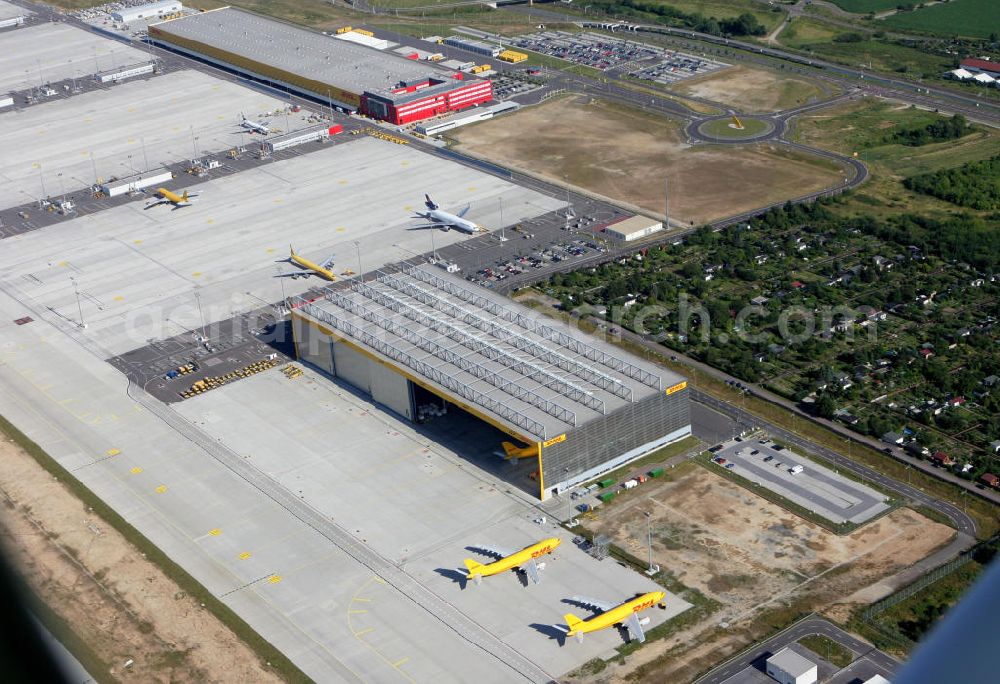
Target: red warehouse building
[423,98]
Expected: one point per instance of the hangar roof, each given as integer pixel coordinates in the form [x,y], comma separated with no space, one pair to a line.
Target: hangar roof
[521,369]
[309,54]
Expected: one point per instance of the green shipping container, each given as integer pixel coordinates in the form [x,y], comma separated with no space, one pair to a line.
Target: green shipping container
[656,473]
[606,496]
[604,484]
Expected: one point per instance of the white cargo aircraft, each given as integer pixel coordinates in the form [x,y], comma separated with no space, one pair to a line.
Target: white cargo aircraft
[446,221]
[254,126]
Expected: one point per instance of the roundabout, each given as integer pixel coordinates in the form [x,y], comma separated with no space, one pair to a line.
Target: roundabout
[734,129]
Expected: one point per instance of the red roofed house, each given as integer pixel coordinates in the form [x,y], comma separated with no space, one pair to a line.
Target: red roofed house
[990,479]
[926,353]
[956,401]
[798,284]
[943,459]
[982,66]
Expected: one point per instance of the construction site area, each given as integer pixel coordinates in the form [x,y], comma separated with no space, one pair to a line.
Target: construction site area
[756,558]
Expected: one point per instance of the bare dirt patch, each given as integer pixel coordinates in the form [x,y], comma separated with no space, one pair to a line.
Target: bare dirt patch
[625,154]
[745,552]
[118,603]
[749,90]
[762,563]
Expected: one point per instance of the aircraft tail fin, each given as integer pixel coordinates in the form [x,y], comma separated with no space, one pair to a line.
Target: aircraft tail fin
[429,203]
[574,623]
[475,570]
[185,196]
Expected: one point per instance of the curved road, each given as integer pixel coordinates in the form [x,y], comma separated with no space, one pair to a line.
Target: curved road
[806,627]
[933,96]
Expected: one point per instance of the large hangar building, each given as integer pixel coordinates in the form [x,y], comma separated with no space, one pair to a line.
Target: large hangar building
[408,335]
[344,73]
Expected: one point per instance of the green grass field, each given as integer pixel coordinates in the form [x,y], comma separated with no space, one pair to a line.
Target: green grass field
[972,18]
[827,648]
[860,127]
[865,6]
[884,57]
[802,33]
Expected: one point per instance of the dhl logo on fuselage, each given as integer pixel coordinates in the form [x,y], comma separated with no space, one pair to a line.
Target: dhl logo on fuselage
[542,551]
[643,606]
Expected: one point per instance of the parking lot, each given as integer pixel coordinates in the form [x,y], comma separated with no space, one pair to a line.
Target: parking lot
[676,66]
[639,60]
[538,260]
[800,480]
[506,87]
[533,249]
[589,49]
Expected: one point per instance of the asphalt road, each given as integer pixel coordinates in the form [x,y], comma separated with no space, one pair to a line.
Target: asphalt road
[885,86]
[806,627]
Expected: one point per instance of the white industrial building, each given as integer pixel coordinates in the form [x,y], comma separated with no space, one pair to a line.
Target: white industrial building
[959,74]
[6,101]
[153,10]
[124,72]
[788,667]
[634,228]
[140,181]
[306,135]
[481,114]
[367,41]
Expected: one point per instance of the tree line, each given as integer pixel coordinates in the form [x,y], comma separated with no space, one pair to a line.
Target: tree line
[745,24]
[936,131]
[975,185]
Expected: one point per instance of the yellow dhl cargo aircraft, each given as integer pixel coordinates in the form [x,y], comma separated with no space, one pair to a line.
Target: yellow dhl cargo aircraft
[626,614]
[164,196]
[322,270]
[515,452]
[523,560]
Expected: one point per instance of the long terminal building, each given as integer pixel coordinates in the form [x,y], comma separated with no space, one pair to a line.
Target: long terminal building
[580,406]
[324,68]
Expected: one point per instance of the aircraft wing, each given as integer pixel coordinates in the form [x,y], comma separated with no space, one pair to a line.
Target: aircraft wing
[464,211]
[155,203]
[634,626]
[496,551]
[428,225]
[531,568]
[596,604]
